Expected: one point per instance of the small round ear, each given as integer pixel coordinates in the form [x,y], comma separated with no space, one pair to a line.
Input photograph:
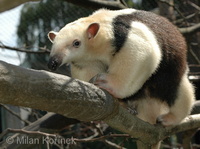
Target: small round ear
[92,30]
[52,35]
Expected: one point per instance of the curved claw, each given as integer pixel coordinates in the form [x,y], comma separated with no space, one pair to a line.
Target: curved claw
[101,81]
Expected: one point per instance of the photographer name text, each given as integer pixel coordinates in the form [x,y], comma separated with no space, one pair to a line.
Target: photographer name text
[41,140]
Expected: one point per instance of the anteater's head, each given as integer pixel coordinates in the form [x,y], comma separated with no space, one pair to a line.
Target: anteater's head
[71,43]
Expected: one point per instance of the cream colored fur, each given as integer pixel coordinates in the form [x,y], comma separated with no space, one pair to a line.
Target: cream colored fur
[154,108]
[182,106]
[136,61]
[127,71]
[134,64]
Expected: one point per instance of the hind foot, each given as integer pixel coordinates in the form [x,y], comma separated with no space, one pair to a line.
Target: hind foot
[167,120]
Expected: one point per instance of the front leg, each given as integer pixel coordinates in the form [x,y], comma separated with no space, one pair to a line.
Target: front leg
[101,80]
[125,80]
[112,83]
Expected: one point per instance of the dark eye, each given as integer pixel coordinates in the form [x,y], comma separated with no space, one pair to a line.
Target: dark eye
[76,43]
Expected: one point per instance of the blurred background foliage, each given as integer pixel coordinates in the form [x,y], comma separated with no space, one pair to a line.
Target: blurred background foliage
[37,19]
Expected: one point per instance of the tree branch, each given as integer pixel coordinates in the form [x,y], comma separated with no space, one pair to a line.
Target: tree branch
[80,100]
[9,4]
[22,131]
[15,114]
[187,17]
[43,50]
[190,30]
[171,4]
[53,92]
[96,4]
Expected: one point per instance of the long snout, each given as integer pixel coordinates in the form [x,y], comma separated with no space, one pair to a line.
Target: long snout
[54,63]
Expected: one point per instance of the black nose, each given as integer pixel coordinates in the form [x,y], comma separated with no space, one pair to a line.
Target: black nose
[53,63]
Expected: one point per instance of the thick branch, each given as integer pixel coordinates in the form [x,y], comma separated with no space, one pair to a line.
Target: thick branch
[9,4]
[96,4]
[77,99]
[54,93]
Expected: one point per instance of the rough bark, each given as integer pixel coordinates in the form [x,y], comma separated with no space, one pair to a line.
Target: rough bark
[53,93]
[77,99]
[9,4]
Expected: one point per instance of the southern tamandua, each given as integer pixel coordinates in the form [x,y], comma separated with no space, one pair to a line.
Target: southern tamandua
[135,55]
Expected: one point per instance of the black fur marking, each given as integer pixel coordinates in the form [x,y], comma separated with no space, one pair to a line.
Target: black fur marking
[164,83]
[121,26]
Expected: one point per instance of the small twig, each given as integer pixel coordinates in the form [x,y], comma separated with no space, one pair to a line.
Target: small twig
[102,137]
[114,145]
[97,131]
[43,50]
[191,29]
[194,65]
[194,5]
[107,142]
[89,139]
[194,78]
[194,73]
[92,136]
[194,55]
[196,145]
[97,128]
[124,3]
[178,11]
[187,17]
[22,131]
[15,114]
